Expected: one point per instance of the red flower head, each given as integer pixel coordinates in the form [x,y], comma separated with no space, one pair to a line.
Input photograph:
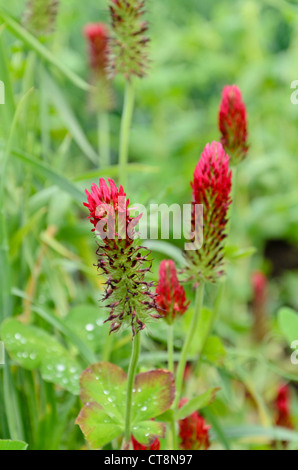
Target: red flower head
[120,258]
[259,304]
[40,16]
[193,431]
[233,124]
[98,37]
[282,404]
[137,446]
[211,188]
[171,299]
[129,41]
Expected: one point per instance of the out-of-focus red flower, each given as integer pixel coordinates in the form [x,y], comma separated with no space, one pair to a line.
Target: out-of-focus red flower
[233,124]
[259,305]
[97,35]
[171,298]
[193,431]
[129,40]
[282,405]
[137,446]
[211,188]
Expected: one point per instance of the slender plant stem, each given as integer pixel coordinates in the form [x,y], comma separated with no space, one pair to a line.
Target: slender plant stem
[130,383]
[186,347]
[171,348]
[104,138]
[125,131]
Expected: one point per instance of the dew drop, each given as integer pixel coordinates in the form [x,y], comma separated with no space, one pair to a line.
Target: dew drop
[144,408]
[60,367]
[106,392]
[18,336]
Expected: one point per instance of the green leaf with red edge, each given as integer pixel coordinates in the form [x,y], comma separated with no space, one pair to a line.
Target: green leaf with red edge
[147,431]
[103,392]
[196,403]
[154,393]
[97,425]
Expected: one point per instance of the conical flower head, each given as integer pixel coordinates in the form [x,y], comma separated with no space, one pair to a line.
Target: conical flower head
[120,257]
[129,40]
[233,124]
[40,16]
[193,431]
[211,189]
[171,298]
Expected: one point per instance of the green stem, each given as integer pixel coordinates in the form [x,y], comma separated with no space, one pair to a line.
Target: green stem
[104,138]
[186,347]
[171,348]
[125,131]
[130,383]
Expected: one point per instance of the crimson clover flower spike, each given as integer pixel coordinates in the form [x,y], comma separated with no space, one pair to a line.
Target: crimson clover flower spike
[171,298]
[40,15]
[128,41]
[193,431]
[137,446]
[97,35]
[233,124]
[211,188]
[123,261]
